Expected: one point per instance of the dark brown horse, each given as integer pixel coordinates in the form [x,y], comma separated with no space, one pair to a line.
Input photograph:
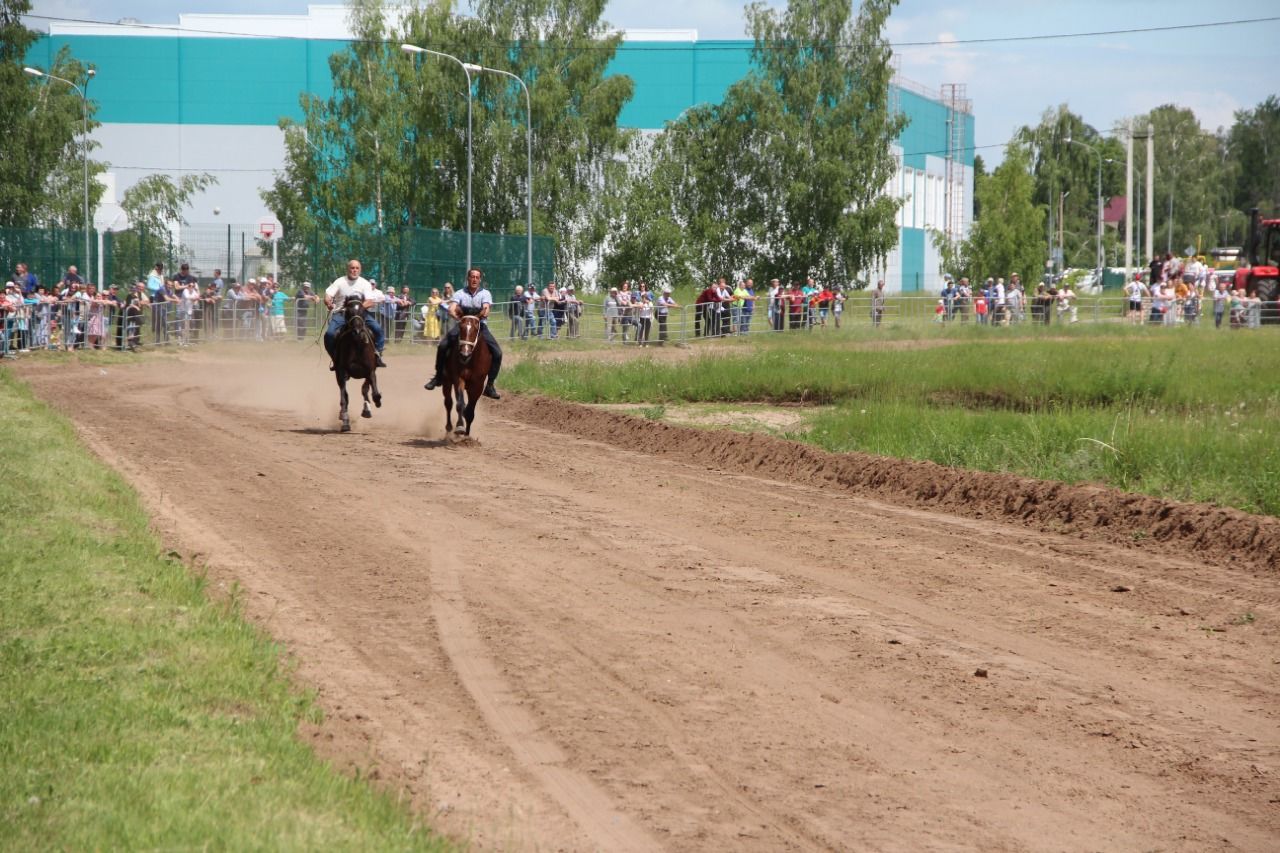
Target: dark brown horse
[465,369]
[354,357]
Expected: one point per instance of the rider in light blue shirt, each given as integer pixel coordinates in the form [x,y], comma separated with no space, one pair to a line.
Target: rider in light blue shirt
[476,300]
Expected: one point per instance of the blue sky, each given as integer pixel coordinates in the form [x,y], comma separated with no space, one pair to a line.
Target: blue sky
[1214,71]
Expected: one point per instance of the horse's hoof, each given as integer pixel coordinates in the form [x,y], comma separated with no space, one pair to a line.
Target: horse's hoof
[366,414]
[345,428]
[459,431]
[377,400]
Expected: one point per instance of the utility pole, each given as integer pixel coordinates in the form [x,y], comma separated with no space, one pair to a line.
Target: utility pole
[1128,198]
[1151,185]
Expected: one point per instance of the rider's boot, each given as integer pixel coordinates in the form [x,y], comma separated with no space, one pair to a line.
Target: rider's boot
[437,380]
[490,391]
[380,362]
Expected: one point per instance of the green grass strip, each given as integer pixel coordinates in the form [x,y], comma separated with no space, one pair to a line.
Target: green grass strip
[134,711]
[1187,414]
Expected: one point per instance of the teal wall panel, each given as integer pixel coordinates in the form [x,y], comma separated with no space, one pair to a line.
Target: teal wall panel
[912,259]
[255,81]
[230,81]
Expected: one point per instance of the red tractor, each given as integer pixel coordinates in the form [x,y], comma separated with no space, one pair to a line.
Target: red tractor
[1263,253]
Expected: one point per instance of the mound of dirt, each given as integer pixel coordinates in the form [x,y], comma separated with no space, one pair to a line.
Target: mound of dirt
[1217,535]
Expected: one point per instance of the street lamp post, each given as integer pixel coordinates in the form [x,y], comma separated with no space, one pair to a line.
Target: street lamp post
[1099,258]
[528,137]
[84,102]
[466,69]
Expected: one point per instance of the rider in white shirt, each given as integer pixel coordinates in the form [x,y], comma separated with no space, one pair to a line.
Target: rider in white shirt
[352,284]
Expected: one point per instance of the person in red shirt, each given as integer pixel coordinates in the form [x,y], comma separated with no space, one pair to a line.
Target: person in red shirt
[795,306]
[824,304]
[704,312]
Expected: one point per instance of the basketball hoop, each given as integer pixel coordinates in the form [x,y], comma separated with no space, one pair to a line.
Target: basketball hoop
[269,229]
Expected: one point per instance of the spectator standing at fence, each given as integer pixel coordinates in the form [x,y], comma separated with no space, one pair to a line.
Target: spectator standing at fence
[72,276]
[430,316]
[559,309]
[877,304]
[1135,290]
[964,299]
[278,301]
[188,299]
[7,308]
[403,307]
[1000,304]
[1221,296]
[25,279]
[515,313]
[626,320]
[775,305]
[837,304]
[155,289]
[1067,309]
[611,314]
[663,309]
[446,319]
[572,309]
[644,319]
[302,302]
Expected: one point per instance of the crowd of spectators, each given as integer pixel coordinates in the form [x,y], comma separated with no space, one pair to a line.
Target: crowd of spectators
[1178,290]
[75,314]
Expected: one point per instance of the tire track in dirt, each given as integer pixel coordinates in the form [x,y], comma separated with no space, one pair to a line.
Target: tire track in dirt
[660,644]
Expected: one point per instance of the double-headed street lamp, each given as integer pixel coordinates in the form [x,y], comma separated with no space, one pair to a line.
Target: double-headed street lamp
[528,138]
[1100,260]
[84,102]
[467,68]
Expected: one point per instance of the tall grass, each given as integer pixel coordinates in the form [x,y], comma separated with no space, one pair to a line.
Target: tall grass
[135,713]
[1183,413]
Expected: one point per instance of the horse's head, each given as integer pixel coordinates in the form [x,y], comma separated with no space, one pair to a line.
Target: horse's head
[352,306]
[468,335]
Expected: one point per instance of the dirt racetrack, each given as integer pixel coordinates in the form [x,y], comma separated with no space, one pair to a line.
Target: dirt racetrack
[581,631]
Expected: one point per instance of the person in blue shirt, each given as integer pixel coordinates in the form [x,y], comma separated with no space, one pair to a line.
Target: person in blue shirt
[25,279]
[476,300]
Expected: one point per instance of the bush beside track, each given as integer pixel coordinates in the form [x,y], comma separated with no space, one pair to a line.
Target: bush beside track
[134,711]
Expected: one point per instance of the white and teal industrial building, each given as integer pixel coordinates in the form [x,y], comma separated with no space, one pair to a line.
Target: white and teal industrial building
[206,95]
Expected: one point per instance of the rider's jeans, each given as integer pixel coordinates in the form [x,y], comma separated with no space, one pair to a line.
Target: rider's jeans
[337,321]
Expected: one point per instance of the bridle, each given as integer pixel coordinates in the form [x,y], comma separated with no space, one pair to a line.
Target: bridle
[468,336]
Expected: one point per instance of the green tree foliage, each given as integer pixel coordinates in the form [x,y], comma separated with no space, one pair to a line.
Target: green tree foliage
[1059,167]
[395,127]
[41,171]
[1253,148]
[1191,180]
[786,177]
[154,205]
[1009,237]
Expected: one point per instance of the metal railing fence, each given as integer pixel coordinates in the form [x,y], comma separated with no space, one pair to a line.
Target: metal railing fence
[81,324]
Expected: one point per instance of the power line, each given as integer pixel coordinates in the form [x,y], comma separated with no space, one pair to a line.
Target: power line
[713,45]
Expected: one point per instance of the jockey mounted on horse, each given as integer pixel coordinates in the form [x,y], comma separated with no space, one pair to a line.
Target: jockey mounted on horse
[474,300]
[337,293]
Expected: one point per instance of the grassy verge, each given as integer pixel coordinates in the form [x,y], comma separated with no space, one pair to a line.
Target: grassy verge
[1186,413]
[134,712]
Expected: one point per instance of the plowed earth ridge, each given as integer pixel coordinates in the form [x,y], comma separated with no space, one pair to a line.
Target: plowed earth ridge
[586,631]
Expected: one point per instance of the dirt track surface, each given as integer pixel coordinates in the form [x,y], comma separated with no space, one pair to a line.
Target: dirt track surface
[650,638]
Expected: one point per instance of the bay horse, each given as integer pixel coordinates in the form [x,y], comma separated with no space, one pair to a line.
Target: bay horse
[354,357]
[465,369]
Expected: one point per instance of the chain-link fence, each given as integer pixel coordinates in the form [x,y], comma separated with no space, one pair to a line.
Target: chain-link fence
[419,258]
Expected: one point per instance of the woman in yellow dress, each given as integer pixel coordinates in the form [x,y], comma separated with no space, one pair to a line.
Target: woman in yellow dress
[431,317]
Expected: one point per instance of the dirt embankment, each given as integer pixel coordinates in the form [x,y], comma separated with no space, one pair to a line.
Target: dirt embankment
[1218,535]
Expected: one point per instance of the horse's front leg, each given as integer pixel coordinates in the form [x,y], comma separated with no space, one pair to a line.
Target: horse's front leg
[377,395]
[471,410]
[342,404]
[448,408]
[364,392]
[462,409]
